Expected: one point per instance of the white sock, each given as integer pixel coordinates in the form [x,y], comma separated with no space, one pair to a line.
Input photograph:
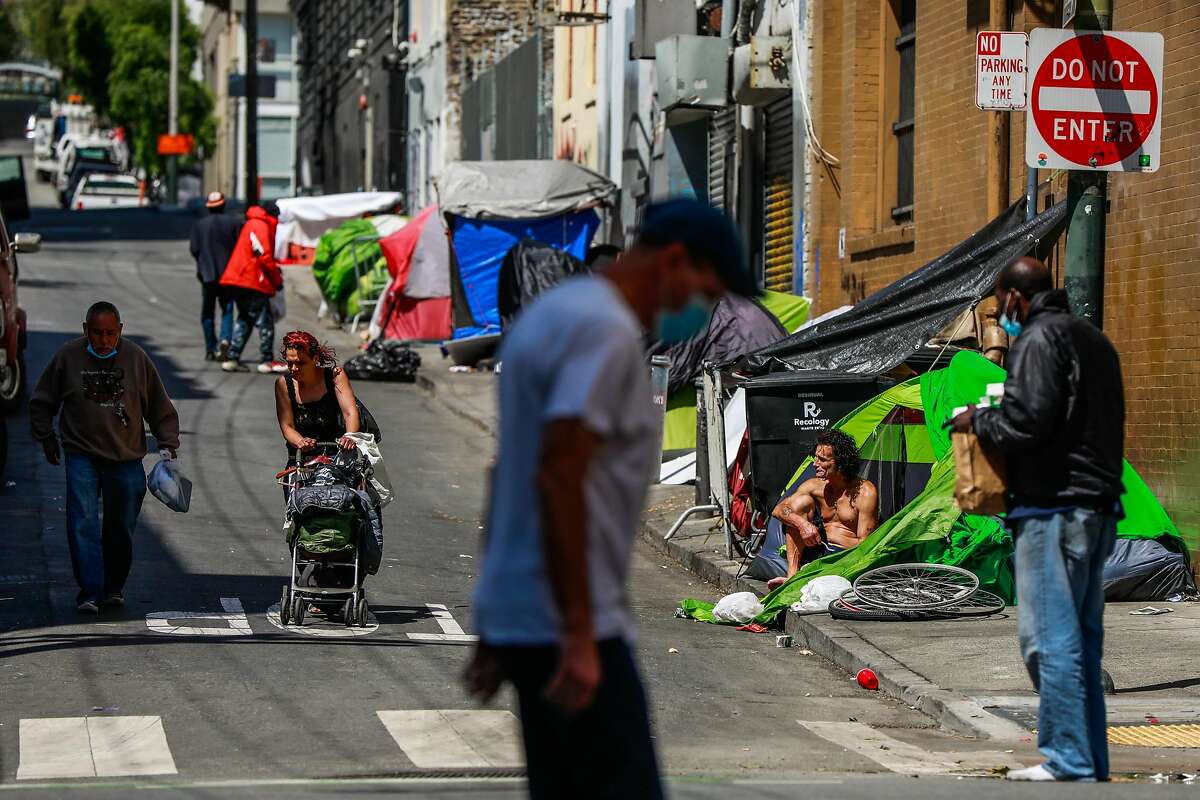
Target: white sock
[1038,773]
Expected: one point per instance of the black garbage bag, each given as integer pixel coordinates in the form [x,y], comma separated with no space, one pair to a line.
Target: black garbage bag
[1143,569]
[529,269]
[384,360]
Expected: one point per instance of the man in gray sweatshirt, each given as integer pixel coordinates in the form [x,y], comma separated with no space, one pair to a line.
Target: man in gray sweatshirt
[105,391]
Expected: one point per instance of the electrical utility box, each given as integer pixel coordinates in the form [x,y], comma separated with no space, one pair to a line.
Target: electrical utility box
[655,20]
[762,70]
[693,73]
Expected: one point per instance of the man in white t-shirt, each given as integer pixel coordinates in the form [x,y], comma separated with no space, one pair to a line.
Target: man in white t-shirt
[578,445]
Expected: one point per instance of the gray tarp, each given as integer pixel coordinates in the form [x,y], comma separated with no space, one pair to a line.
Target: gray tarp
[1142,569]
[898,320]
[520,189]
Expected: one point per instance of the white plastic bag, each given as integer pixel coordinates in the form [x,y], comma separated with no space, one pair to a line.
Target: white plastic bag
[818,593]
[169,485]
[278,305]
[739,607]
[380,481]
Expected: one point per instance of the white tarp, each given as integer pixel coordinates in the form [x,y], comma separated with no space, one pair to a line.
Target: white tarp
[682,470]
[520,189]
[302,220]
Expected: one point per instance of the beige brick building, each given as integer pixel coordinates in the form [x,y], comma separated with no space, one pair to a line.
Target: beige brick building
[893,100]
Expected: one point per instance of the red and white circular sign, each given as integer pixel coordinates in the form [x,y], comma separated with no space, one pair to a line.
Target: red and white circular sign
[1095,102]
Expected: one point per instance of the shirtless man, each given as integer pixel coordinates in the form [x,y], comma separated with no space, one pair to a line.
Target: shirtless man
[848,504]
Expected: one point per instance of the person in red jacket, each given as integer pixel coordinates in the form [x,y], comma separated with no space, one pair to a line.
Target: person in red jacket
[253,278]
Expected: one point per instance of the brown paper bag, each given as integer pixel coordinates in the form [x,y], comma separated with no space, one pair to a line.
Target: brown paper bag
[980,484]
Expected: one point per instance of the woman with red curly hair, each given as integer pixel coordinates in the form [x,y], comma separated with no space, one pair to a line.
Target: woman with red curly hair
[313,400]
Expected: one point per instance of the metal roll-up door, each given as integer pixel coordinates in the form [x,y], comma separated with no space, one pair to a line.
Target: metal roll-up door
[722,126]
[778,246]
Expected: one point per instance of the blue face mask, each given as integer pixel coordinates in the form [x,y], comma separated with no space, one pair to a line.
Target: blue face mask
[673,327]
[97,355]
[1010,325]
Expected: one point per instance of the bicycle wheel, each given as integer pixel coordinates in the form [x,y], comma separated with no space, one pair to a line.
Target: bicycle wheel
[849,608]
[915,587]
[980,604]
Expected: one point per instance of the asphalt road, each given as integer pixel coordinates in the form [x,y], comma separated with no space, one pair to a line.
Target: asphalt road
[179,705]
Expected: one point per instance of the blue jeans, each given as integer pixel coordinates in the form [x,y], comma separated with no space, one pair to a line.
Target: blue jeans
[254,308]
[212,296]
[1060,621]
[102,542]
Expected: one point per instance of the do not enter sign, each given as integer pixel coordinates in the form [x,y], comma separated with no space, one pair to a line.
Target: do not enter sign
[1095,100]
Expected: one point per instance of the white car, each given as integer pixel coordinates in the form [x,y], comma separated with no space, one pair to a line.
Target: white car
[108,190]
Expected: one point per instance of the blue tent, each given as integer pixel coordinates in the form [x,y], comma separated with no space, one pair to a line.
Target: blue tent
[492,205]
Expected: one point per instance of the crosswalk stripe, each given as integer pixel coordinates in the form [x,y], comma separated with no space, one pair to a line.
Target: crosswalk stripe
[451,630]
[86,747]
[455,738]
[903,757]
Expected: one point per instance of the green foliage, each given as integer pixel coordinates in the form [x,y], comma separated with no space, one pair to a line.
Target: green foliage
[116,53]
[10,36]
[137,86]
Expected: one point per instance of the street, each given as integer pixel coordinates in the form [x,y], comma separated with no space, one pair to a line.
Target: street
[231,705]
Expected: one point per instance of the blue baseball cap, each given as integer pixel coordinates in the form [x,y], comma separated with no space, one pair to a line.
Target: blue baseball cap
[707,233]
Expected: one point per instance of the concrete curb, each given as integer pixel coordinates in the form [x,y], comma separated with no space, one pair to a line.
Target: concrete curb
[447,401]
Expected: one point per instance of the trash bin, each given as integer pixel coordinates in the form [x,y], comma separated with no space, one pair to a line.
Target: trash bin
[660,368]
[785,412]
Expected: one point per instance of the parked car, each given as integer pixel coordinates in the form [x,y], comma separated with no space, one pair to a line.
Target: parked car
[14,205]
[108,190]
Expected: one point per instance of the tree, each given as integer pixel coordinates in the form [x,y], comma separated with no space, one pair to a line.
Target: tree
[46,31]
[10,38]
[138,84]
[89,54]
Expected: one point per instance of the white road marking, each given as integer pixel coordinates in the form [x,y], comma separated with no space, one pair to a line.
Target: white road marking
[449,738]
[314,626]
[93,747]
[234,615]
[902,757]
[451,630]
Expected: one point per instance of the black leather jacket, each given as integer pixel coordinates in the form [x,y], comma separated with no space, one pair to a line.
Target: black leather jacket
[1061,425]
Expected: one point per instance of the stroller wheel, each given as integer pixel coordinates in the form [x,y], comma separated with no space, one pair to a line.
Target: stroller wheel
[298,610]
[362,612]
[348,612]
[285,607]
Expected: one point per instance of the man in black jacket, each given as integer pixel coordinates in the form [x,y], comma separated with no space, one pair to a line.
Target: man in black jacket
[1060,427]
[213,238]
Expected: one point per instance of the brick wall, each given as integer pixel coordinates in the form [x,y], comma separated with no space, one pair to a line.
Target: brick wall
[1152,274]
[480,33]
[1153,238]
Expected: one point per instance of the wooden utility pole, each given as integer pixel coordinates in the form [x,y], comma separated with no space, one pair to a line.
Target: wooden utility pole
[997,122]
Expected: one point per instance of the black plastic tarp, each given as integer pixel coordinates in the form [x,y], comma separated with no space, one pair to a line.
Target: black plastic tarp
[738,325]
[1143,569]
[886,328]
[529,269]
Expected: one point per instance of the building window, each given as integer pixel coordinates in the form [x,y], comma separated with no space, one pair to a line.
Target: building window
[898,161]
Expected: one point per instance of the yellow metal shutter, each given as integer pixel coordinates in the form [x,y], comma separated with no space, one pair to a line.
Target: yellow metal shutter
[778,245]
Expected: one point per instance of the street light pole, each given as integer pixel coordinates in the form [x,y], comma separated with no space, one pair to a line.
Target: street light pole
[250,22]
[173,106]
[1086,206]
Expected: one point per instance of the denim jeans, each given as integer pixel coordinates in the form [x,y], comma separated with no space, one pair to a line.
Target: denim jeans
[101,541]
[1060,620]
[212,296]
[254,308]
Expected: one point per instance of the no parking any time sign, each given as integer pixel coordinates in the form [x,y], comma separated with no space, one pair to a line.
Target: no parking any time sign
[1000,70]
[1095,100]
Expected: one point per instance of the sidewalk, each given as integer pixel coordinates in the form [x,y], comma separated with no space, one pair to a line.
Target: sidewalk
[966,674]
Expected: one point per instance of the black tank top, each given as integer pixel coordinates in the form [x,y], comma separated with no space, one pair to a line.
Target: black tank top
[319,419]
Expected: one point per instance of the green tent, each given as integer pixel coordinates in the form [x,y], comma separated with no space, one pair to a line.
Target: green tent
[679,428]
[333,260]
[929,527]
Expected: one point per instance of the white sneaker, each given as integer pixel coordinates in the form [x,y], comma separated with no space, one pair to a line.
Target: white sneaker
[1038,773]
[231,366]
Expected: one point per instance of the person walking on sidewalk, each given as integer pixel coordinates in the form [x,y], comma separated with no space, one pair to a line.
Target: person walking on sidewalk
[577,448]
[253,278]
[104,390]
[213,239]
[1061,429]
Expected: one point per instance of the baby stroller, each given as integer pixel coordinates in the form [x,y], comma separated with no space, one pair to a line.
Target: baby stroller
[334,529]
